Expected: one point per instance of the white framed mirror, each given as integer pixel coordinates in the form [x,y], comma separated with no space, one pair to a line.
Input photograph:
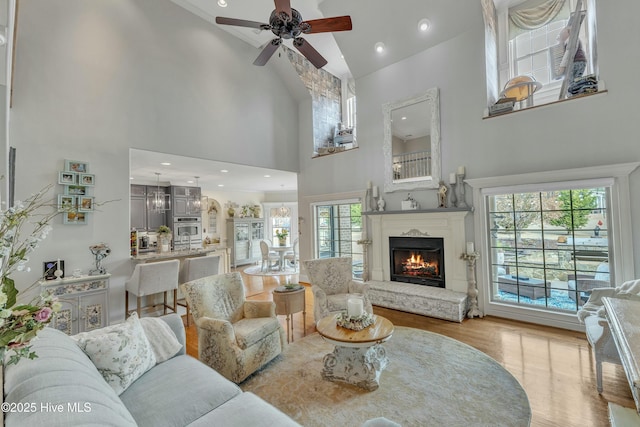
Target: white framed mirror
[412,142]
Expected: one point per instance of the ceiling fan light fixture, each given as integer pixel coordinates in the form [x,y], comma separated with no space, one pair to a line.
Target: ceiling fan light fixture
[424,24]
[380,47]
[222,3]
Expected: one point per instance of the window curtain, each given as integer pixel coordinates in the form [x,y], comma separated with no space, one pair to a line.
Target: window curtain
[535,14]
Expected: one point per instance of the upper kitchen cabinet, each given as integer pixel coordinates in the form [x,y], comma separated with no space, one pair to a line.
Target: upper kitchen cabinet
[149,207]
[186,201]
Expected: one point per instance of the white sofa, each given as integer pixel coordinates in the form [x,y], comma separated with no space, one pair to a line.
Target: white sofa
[62,387]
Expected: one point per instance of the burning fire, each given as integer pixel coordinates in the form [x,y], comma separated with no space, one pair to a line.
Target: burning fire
[418,266]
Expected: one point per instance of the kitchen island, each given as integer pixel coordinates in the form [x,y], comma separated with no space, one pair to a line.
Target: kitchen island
[223,251]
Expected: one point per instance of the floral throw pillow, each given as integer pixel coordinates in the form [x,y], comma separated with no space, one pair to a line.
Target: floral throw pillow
[121,352]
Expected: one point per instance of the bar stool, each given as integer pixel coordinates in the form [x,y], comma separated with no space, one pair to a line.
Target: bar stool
[153,278]
[197,268]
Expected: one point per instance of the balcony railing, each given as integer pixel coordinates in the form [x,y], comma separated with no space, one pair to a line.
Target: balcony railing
[412,165]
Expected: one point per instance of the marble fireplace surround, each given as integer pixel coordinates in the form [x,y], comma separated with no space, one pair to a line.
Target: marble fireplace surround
[449,224]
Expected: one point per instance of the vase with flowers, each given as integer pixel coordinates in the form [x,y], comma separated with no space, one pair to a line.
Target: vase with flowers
[282,236]
[21,321]
[164,239]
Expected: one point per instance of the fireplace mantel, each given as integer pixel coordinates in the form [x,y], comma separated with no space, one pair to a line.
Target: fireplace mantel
[414,211]
[446,223]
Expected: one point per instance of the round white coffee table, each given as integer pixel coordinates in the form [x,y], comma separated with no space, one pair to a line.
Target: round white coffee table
[358,357]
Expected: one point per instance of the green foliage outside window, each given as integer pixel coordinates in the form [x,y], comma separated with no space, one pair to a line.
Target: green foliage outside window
[575,207]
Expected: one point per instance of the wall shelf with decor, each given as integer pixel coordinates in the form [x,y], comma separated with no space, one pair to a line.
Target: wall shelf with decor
[76,202]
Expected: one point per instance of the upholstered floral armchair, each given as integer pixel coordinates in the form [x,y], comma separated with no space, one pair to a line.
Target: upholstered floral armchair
[331,283]
[235,336]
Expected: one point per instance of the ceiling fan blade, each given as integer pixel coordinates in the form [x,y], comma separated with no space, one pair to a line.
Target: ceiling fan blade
[267,52]
[339,23]
[242,23]
[309,52]
[283,6]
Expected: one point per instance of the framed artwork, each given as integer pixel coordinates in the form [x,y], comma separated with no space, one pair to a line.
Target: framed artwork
[76,166]
[50,268]
[86,179]
[75,190]
[67,178]
[74,218]
[85,204]
[66,202]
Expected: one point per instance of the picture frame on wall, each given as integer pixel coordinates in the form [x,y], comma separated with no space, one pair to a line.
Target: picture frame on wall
[67,178]
[76,166]
[66,202]
[85,204]
[74,218]
[86,179]
[50,267]
[75,190]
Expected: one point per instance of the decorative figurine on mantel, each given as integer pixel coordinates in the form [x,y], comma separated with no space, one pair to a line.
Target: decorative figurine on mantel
[381,204]
[442,195]
[100,252]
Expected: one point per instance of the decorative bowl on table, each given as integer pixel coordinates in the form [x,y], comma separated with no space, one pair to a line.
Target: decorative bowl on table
[355,323]
[288,287]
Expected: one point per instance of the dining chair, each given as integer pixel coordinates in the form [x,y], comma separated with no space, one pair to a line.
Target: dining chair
[270,259]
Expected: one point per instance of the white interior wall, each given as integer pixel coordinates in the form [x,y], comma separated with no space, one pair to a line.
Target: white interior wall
[94,78]
[596,130]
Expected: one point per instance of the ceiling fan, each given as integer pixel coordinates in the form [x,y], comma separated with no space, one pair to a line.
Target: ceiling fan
[286,23]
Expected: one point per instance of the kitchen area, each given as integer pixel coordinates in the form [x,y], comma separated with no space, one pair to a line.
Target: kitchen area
[176,207]
[189,199]
[167,223]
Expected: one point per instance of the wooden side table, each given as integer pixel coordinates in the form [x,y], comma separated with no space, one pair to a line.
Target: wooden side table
[289,302]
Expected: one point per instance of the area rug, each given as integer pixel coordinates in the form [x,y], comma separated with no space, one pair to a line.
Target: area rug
[431,380]
[256,271]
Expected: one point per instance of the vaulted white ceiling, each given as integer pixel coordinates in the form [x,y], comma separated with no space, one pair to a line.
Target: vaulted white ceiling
[395,23]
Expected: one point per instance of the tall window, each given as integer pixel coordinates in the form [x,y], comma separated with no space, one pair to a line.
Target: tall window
[549,249]
[528,43]
[338,227]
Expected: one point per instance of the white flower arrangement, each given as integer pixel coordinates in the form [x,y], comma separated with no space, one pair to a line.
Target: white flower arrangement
[20,323]
[355,323]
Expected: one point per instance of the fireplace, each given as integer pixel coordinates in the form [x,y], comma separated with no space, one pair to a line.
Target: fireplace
[418,260]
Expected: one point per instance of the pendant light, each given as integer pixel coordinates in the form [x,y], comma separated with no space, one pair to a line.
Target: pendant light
[196,203]
[158,204]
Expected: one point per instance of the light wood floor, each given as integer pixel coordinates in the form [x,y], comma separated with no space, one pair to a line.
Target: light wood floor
[554,366]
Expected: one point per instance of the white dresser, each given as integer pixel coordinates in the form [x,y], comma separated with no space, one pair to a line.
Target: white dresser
[624,321]
[85,302]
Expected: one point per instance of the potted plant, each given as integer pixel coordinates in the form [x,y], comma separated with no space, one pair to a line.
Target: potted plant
[282,236]
[164,238]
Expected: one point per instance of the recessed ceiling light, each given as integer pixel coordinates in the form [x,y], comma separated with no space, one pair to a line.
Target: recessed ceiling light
[130,177]
[404,118]
[267,176]
[224,171]
[220,185]
[165,164]
[379,47]
[424,24]
[222,3]
[189,182]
